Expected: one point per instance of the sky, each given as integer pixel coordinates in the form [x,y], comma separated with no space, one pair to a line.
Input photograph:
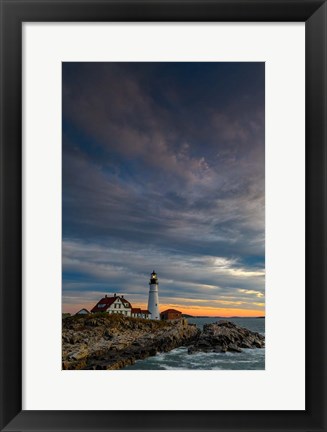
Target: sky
[164,169]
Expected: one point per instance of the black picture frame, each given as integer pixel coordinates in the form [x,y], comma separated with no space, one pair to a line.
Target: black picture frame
[13,14]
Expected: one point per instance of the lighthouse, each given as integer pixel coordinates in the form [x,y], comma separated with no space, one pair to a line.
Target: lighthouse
[153,303]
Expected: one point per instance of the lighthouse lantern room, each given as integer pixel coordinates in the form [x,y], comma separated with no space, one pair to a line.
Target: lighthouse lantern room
[153,303]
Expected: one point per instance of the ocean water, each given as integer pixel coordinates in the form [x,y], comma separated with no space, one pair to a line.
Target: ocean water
[178,359]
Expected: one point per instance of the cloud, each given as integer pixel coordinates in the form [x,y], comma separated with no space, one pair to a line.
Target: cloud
[252,292]
[205,281]
[163,165]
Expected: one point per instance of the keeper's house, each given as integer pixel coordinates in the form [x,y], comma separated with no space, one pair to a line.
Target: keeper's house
[170,314]
[140,313]
[113,305]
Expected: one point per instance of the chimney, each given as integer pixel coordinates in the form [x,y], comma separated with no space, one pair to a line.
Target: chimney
[106,296]
[115,295]
[122,296]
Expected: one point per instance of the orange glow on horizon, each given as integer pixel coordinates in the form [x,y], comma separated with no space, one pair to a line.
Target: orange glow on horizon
[190,310]
[208,311]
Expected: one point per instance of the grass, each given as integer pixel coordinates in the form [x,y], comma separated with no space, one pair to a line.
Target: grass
[113,320]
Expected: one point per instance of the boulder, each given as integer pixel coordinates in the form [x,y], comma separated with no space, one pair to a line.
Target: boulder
[223,336]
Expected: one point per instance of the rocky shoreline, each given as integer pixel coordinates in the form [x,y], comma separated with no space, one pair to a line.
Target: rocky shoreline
[223,336]
[102,341]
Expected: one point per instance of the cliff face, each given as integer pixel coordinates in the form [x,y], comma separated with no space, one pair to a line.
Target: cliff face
[103,341]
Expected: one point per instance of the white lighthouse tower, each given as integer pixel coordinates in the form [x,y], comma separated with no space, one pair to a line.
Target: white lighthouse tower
[153,303]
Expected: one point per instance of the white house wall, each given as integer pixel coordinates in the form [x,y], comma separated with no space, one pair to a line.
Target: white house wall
[140,315]
[119,309]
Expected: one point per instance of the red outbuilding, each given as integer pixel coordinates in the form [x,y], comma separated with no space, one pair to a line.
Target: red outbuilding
[170,314]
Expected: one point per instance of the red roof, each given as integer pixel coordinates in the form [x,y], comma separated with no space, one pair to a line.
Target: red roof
[106,302]
[126,302]
[171,311]
[140,311]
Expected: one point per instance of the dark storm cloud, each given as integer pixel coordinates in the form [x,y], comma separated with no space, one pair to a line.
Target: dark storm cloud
[167,158]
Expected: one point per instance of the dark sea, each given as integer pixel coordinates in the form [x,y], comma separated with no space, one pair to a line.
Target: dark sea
[178,359]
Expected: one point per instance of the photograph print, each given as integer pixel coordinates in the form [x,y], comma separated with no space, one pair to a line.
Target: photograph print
[163,215]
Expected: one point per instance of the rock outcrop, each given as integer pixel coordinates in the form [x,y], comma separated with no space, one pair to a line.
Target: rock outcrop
[224,336]
[102,341]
